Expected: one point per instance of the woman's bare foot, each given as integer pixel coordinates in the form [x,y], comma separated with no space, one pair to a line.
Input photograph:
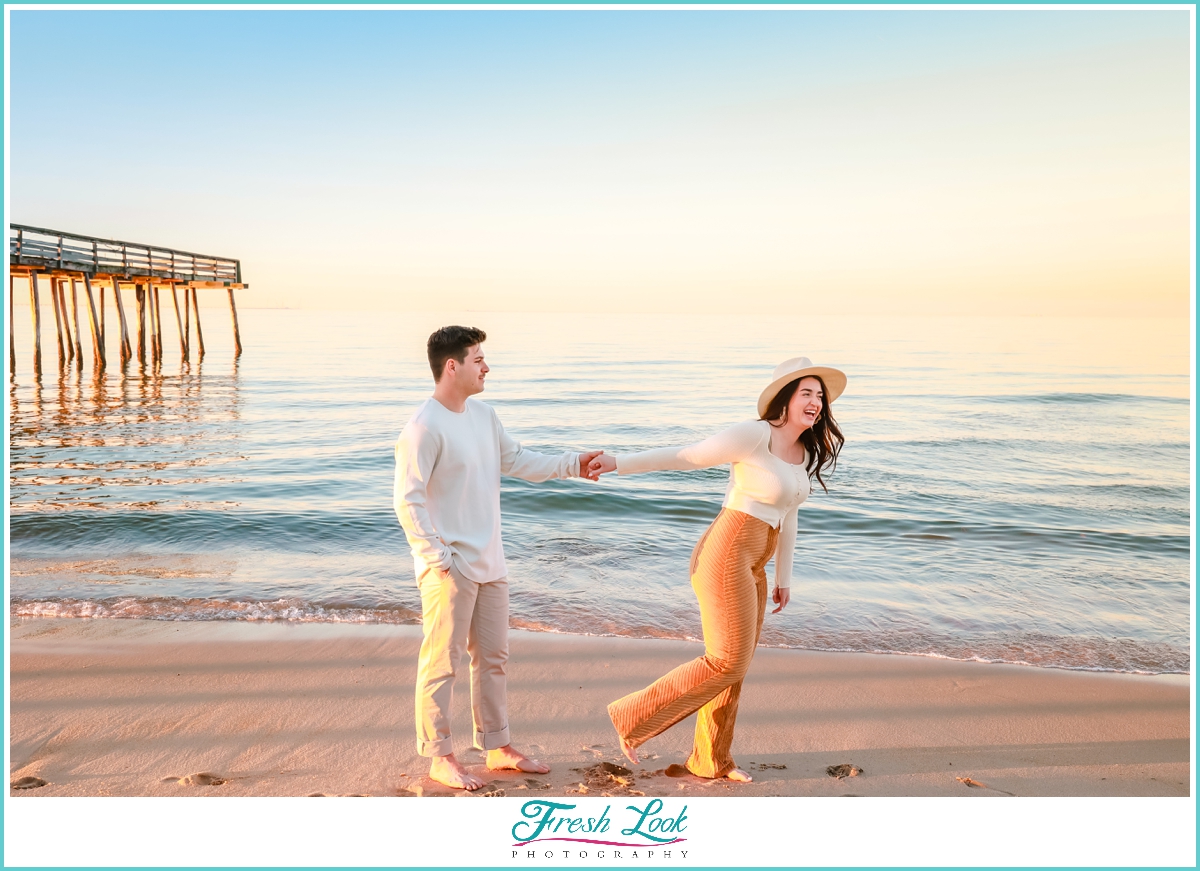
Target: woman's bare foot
[507,758]
[737,775]
[448,770]
[630,752]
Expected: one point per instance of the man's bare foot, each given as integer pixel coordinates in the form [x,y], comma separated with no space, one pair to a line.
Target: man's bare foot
[738,776]
[506,757]
[448,770]
[630,752]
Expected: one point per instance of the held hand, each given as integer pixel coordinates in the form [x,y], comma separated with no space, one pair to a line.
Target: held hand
[780,597]
[585,461]
[602,465]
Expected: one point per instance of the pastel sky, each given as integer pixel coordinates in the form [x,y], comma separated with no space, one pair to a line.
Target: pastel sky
[885,162]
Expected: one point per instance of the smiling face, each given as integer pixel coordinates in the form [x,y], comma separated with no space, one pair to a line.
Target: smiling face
[806,403]
[468,375]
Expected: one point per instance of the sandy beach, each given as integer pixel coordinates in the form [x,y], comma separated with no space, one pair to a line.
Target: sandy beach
[150,708]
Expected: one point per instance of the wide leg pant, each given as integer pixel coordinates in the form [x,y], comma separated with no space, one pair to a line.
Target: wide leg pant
[460,615]
[728,571]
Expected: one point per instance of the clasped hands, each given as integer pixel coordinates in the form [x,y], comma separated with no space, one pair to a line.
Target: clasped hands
[593,464]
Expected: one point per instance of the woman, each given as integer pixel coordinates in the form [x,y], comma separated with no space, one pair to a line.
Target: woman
[773,461]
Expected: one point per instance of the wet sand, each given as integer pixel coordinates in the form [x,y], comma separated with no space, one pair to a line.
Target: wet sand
[147,708]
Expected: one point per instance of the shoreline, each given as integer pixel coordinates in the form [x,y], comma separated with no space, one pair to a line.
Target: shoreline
[137,707]
[14,619]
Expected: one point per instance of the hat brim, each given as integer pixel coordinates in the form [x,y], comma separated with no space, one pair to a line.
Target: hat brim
[835,384]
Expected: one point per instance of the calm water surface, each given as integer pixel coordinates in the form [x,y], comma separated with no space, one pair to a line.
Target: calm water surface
[1011,489]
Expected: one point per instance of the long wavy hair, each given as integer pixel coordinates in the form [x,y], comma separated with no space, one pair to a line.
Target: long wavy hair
[822,441]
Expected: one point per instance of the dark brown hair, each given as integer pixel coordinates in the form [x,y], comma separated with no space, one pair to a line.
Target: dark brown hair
[822,441]
[451,342]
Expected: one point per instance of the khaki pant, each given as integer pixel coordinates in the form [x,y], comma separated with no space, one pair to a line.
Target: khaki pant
[460,615]
[729,577]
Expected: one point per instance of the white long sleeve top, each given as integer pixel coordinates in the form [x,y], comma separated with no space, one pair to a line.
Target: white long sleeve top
[760,484]
[447,490]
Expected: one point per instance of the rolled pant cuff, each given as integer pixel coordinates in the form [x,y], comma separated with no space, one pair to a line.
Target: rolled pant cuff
[492,740]
[441,747]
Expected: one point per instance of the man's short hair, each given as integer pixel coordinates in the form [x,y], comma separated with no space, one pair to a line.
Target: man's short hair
[451,342]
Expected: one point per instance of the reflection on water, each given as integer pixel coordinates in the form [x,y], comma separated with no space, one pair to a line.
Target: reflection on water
[1011,489]
[123,439]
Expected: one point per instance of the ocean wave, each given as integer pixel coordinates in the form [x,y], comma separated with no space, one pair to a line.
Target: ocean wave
[1121,655]
[170,608]
[647,511]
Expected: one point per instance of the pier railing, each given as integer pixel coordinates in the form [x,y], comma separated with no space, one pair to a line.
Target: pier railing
[41,248]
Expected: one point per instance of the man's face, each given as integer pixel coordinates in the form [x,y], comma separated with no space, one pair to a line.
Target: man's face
[469,374]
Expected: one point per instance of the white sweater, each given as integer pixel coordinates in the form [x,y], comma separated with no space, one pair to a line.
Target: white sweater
[447,493]
[760,484]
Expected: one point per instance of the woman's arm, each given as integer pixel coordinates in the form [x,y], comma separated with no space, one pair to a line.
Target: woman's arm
[785,550]
[727,446]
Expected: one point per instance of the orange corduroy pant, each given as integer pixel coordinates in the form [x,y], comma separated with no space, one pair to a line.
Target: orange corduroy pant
[728,569]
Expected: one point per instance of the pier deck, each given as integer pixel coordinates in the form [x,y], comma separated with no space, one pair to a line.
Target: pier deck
[56,256]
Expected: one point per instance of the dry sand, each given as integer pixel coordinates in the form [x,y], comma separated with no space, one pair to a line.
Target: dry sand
[127,707]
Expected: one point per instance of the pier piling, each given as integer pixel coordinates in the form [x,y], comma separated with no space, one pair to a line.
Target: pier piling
[61,294]
[140,293]
[97,341]
[78,332]
[12,342]
[158,326]
[37,325]
[199,333]
[183,349]
[237,336]
[152,325]
[58,319]
[187,324]
[125,349]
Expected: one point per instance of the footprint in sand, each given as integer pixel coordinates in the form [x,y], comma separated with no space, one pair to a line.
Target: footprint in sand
[607,779]
[203,778]
[766,766]
[975,784]
[840,771]
[27,783]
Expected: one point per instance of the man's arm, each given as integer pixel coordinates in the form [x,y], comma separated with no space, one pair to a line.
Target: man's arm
[519,462]
[416,455]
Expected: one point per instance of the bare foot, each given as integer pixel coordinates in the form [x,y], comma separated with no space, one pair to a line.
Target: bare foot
[738,776]
[630,752]
[448,770]
[506,757]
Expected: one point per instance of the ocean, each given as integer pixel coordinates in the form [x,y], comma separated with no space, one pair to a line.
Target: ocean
[1011,489]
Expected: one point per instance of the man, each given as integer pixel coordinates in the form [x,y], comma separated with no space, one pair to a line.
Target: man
[449,459]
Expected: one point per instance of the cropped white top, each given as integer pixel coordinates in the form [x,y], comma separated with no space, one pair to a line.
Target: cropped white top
[760,484]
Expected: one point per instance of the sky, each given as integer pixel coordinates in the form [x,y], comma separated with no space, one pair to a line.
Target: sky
[801,161]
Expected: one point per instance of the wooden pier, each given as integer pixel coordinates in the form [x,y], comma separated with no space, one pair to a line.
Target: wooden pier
[49,259]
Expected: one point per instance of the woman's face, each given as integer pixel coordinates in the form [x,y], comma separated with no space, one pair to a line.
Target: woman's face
[807,402]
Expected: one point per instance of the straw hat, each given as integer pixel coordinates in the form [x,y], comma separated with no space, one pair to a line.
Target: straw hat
[797,367]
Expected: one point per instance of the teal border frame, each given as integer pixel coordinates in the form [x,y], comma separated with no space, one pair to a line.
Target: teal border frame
[631,5]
